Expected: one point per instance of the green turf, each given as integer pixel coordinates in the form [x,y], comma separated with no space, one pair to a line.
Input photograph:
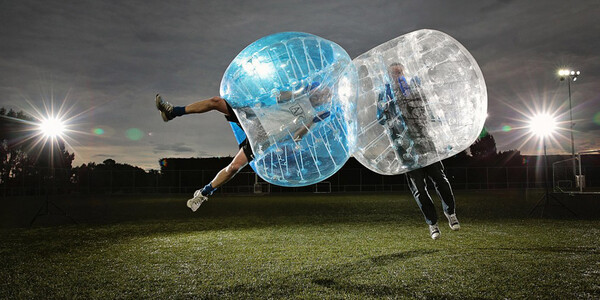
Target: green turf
[326,246]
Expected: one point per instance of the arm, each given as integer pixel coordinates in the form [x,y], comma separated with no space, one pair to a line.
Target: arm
[289,95]
[380,108]
[285,96]
[382,104]
[302,131]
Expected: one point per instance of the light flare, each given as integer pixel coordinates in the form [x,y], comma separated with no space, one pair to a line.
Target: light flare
[49,126]
[542,124]
[52,127]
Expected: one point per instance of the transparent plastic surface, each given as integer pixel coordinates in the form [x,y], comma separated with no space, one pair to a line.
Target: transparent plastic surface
[422,98]
[294,95]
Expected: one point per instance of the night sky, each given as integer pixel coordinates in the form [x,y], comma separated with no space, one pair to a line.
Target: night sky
[107,59]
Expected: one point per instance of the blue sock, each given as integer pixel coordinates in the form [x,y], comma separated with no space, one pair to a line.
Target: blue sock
[208,190]
[178,111]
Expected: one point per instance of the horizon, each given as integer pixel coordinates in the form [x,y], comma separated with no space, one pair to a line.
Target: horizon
[351,157]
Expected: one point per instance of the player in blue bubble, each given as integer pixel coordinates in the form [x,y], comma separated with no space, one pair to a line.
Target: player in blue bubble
[245,154]
[402,109]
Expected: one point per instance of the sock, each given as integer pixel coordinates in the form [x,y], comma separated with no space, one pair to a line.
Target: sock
[208,190]
[178,111]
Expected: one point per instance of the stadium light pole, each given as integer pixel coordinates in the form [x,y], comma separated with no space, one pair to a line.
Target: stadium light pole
[543,126]
[570,76]
[52,129]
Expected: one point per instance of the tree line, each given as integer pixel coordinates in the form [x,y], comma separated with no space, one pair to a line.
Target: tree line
[27,166]
[25,160]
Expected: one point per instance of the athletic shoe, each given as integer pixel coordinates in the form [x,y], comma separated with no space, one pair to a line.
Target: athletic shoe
[195,202]
[453,221]
[166,108]
[434,231]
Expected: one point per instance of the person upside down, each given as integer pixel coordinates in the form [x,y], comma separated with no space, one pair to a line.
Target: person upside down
[245,154]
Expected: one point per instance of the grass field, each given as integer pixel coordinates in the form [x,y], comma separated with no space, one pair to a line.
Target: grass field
[302,246]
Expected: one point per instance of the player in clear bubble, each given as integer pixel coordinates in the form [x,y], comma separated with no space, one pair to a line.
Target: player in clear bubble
[403,106]
[245,153]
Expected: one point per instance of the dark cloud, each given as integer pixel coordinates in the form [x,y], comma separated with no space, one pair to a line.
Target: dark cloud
[176,147]
[588,127]
[103,156]
[115,55]
[495,6]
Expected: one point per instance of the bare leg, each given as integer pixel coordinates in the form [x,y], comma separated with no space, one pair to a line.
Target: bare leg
[239,161]
[214,103]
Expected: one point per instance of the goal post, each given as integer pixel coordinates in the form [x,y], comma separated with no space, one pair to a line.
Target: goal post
[261,187]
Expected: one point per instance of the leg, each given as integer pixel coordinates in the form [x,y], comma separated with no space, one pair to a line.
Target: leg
[239,161]
[442,186]
[202,106]
[418,187]
[444,191]
[168,111]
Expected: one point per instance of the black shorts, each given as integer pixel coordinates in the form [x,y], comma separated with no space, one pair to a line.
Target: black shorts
[231,116]
[245,145]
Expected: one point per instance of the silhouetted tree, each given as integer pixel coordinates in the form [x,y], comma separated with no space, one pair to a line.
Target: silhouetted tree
[23,157]
[484,147]
[13,157]
[462,159]
[109,163]
[110,176]
[511,158]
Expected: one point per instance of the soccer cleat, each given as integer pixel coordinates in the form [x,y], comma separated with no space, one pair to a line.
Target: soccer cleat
[434,231]
[195,202]
[453,221]
[165,108]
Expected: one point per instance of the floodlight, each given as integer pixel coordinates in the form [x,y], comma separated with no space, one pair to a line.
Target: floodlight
[49,129]
[570,76]
[52,127]
[542,125]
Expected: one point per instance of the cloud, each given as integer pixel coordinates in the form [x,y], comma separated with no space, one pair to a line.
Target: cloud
[103,156]
[495,6]
[587,127]
[177,147]
[114,56]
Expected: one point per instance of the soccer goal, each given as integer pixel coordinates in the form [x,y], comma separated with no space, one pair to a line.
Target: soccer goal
[568,175]
[261,187]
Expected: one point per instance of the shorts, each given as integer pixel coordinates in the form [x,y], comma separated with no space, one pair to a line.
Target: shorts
[231,116]
[245,144]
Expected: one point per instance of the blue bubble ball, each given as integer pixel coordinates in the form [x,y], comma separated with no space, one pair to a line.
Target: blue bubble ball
[295,97]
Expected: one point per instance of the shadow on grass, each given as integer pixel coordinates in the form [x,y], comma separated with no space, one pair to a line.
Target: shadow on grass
[340,279]
[394,257]
[586,250]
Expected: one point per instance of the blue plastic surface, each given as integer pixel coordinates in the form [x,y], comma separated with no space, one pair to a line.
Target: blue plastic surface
[295,96]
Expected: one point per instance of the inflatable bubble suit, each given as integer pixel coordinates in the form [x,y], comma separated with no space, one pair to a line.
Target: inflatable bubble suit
[294,95]
[422,98]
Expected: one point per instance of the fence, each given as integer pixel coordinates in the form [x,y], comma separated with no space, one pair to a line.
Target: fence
[346,180]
